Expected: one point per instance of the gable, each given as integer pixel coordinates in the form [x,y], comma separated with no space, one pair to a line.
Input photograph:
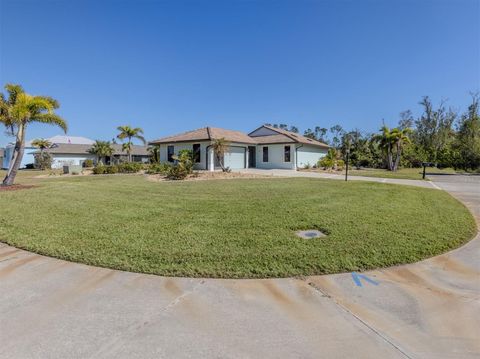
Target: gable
[262,131]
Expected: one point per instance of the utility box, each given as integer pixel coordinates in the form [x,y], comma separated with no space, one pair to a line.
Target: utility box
[72,169]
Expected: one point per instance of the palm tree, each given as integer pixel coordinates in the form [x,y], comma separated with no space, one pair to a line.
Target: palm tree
[154,151]
[101,149]
[399,139]
[385,141]
[19,110]
[220,146]
[42,144]
[129,132]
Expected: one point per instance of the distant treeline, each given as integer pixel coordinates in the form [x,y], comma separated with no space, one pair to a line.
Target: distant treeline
[441,136]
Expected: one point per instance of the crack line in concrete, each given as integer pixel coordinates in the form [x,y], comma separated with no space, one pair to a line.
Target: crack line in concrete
[110,347]
[386,339]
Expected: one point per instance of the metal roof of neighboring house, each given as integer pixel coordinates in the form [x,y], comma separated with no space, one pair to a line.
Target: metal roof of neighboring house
[81,149]
[76,140]
[206,134]
[73,140]
[285,136]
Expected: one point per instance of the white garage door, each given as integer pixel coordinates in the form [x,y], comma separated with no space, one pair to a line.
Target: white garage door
[235,158]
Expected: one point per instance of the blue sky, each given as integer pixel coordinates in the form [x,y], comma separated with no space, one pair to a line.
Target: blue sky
[170,66]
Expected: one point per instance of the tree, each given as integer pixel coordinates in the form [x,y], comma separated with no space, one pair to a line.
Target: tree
[385,143]
[101,149]
[43,160]
[309,134]
[17,111]
[467,142]
[434,129]
[321,133]
[127,132]
[42,144]
[293,129]
[337,133]
[400,139]
[154,151]
[220,146]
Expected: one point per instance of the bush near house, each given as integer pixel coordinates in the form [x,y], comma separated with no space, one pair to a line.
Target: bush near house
[88,163]
[158,168]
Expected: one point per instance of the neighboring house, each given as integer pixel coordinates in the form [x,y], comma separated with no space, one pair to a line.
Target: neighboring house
[76,154]
[73,150]
[265,147]
[29,153]
[27,159]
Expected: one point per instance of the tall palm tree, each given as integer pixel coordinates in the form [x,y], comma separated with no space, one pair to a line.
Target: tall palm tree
[385,141]
[220,146]
[101,149]
[399,139]
[129,133]
[17,111]
[42,144]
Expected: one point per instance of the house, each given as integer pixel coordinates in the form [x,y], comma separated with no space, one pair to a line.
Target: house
[266,147]
[2,154]
[27,159]
[76,154]
[73,150]
[29,152]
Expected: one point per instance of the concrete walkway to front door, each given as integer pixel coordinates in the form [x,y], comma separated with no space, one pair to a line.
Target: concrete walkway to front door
[51,308]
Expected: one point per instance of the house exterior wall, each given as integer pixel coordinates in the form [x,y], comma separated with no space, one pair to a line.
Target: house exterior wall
[309,155]
[27,156]
[276,158]
[60,160]
[177,147]
[235,158]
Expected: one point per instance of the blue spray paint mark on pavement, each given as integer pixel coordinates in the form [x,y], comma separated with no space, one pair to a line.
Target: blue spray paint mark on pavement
[357,279]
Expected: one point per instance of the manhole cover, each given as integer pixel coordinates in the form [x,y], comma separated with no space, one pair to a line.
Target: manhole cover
[310,233]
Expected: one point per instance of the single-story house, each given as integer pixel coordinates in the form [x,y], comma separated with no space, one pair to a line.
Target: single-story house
[266,147]
[27,159]
[76,154]
[72,150]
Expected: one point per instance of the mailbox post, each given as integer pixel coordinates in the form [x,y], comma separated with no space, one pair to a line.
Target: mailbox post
[346,168]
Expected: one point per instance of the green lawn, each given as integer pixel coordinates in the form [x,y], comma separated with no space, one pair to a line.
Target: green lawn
[403,173]
[232,228]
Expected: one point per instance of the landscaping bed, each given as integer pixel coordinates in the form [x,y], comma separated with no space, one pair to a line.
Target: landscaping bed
[232,229]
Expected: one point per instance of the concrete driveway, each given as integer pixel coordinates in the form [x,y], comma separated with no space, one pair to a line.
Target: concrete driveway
[50,308]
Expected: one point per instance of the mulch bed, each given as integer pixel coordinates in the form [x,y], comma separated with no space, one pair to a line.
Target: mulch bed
[15,187]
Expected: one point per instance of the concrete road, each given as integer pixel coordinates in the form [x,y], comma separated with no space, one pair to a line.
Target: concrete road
[55,309]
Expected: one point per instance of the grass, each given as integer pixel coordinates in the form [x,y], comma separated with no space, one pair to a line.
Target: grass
[402,173]
[232,228]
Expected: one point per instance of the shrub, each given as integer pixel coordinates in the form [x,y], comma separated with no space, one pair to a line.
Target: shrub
[130,167]
[340,165]
[43,161]
[111,169]
[158,168]
[88,163]
[326,163]
[177,172]
[307,166]
[99,170]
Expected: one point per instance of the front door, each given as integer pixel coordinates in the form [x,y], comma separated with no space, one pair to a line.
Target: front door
[252,158]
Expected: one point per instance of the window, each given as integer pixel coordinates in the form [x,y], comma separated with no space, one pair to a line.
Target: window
[286,153]
[196,152]
[265,154]
[170,152]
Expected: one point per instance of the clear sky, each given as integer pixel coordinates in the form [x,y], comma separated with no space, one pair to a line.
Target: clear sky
[173,65]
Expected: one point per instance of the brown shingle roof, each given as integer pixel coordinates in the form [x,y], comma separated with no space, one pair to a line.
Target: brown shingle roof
[206,134]
[293,136]
[273,139]
[73,149]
